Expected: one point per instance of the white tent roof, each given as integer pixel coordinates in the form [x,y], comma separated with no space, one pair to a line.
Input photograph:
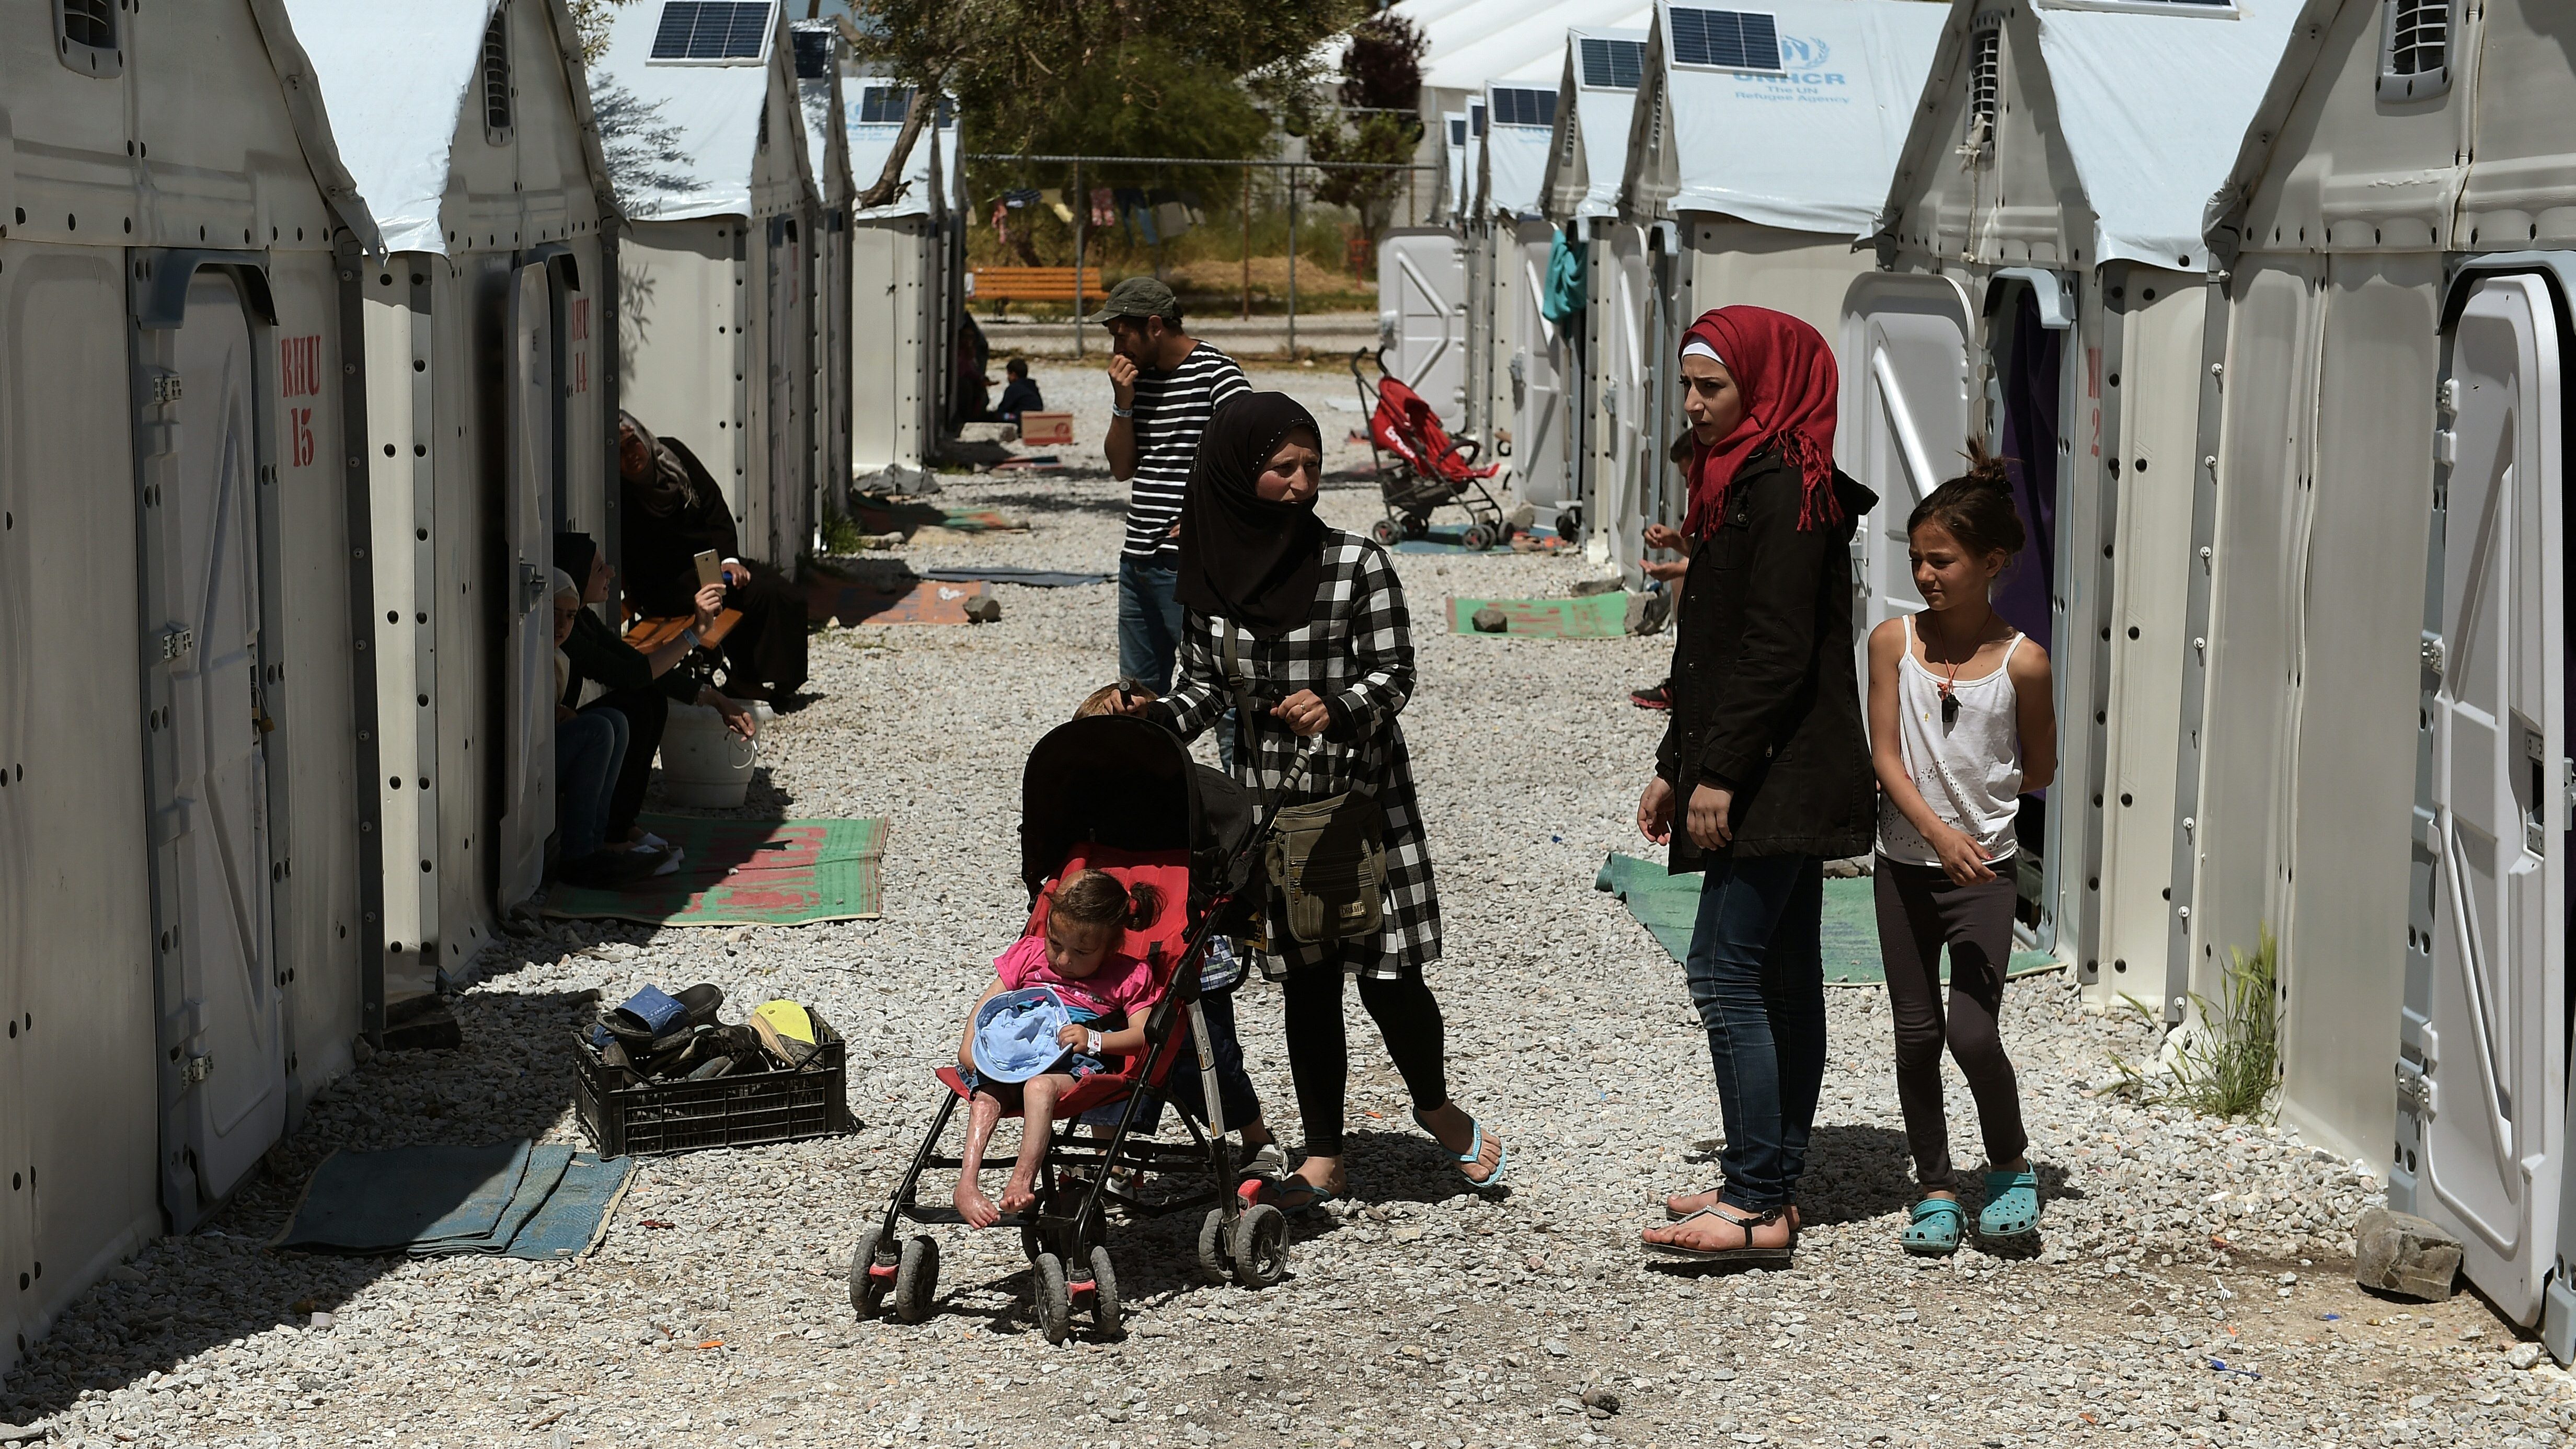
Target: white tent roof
[820,100]
[1472,45]
[1603,114]
[2154,108]
[1516,156]
[709,113]
[872,142]
[1814,147]
[393,77]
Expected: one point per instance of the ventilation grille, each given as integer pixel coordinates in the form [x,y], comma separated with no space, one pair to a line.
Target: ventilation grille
[1516,107]
[1985,85]
[2419,36]
[90,22]
[726,30]
[1726,39]
[813,52]
[496,76]
[1613,64]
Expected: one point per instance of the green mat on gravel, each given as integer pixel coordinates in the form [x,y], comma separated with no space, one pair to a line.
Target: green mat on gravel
[1668,905]
[1595,616]
[747,873]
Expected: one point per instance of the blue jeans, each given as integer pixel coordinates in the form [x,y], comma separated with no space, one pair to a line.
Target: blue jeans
[1149,622]
[589,748]
[1234,1089]
[1756,971]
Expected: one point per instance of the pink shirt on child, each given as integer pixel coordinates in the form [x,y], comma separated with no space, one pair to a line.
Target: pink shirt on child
[1120,990]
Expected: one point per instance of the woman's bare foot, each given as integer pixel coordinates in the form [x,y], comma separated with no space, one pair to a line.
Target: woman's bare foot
[972,1205]
[1723,1227]
[1454,1129]
[1682,1204]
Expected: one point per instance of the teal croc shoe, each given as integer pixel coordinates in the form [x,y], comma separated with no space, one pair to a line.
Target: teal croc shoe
[2012,1205]
[1934,1232]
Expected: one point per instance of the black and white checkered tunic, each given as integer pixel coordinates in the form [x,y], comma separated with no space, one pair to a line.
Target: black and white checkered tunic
[1357,655]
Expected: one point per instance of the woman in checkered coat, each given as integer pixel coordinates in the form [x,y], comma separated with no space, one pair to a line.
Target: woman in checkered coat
[1319,632]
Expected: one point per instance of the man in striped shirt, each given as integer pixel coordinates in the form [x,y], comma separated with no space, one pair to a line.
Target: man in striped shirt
[1163,385]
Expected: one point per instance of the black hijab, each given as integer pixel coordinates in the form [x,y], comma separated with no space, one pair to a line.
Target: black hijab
[573,553]
[1255,562]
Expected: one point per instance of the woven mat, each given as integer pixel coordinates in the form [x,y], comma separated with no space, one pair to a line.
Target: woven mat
[747,873]
[1595,616]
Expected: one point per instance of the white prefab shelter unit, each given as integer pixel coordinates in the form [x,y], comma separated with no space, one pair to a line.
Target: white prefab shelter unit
[2046,290]
[1498,231]
[2400,237]
[182,899]
[1422,313]
[1561,395]
[901,277]
[466,130]
[706,135]
[1762,146]
[818,87]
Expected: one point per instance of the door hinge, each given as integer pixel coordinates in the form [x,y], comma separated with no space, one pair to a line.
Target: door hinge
[165,387]
[196,1069]
[2414,1092]
[176,640]
[2433,652]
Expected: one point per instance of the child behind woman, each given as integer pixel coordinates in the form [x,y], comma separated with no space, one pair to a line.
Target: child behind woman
[1960,725]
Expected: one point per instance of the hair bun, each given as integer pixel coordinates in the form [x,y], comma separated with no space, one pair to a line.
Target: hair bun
[1985,468]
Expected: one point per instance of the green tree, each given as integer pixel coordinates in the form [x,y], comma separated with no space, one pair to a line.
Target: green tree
[1381,92]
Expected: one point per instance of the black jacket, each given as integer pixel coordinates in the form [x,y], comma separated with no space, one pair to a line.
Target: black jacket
[659,553]
[1766,692]
[597,653]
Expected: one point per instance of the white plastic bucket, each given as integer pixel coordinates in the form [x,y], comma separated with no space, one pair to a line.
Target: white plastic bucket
[704,765]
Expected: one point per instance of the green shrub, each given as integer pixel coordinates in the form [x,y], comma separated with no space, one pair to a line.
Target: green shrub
[2229,1066]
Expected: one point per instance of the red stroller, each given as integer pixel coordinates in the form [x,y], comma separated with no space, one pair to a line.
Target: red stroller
[1121,795]
[1420,467]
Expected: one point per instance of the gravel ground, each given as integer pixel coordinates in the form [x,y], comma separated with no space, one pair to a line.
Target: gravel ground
[2194,1283]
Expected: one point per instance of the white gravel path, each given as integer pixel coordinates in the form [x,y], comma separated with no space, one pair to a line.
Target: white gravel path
[1417,1317]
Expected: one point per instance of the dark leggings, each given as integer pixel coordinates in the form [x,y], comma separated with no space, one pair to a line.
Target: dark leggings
[646,710]
[1318,1054]
[1919,911]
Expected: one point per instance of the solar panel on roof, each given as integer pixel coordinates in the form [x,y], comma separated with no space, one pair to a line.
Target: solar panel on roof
[1516,107]
[1613,64]
[712,30]
[1726,39]
[884,105]
[813,54]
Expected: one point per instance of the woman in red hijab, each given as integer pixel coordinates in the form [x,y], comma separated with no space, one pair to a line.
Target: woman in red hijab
[1764,763]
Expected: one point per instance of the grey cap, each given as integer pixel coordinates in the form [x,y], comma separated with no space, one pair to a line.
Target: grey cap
[1139,297]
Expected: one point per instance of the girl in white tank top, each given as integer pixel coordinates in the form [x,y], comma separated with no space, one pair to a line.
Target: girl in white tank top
[1960,724]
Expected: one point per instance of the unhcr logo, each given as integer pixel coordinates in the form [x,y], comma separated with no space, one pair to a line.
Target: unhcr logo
[1803,61]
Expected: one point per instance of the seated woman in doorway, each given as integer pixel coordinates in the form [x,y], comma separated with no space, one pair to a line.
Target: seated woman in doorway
[674,512]
[638,687]
[589,750]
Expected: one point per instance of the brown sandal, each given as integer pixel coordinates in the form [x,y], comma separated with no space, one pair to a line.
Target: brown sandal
[1746,1256]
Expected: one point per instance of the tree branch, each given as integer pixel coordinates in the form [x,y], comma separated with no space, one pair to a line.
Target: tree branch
[889,182]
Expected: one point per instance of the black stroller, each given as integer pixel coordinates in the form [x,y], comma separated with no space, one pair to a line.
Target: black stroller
[1121,795]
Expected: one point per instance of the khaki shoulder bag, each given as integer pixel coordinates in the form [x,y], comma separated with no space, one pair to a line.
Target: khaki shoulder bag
[1326,858]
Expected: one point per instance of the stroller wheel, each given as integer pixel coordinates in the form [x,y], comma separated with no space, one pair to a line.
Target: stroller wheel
[1212,1250]
[916,1278]
[1260,1246]
[1055,1299]
[1417,525]
[1478,537]
[1387,531]
[1105,1310]
[867,1287]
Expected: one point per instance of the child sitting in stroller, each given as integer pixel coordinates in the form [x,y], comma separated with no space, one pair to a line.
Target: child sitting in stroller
[1105,993]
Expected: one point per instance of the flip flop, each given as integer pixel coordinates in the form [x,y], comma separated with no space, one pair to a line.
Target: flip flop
[1934,1232]
[1674,1215]
[1310,1197]
[1747,1256]
[1474,1154]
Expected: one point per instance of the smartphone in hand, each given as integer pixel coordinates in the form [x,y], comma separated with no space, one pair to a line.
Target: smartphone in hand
[710,568]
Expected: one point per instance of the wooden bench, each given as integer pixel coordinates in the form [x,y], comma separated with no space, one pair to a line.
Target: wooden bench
[647,635]
[1032,284]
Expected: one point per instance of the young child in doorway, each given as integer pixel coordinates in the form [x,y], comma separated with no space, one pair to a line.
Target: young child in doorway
[1960,726]
[1105,993]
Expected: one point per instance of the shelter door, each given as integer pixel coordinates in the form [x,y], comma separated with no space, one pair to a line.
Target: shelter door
[2494,1042]
[1422,297]
[786,334]
[528,769]
[1538,387]
[202,582]
[1625,371]
[1909,397]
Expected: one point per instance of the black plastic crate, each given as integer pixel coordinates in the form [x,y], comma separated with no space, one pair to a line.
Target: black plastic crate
[651,1119]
